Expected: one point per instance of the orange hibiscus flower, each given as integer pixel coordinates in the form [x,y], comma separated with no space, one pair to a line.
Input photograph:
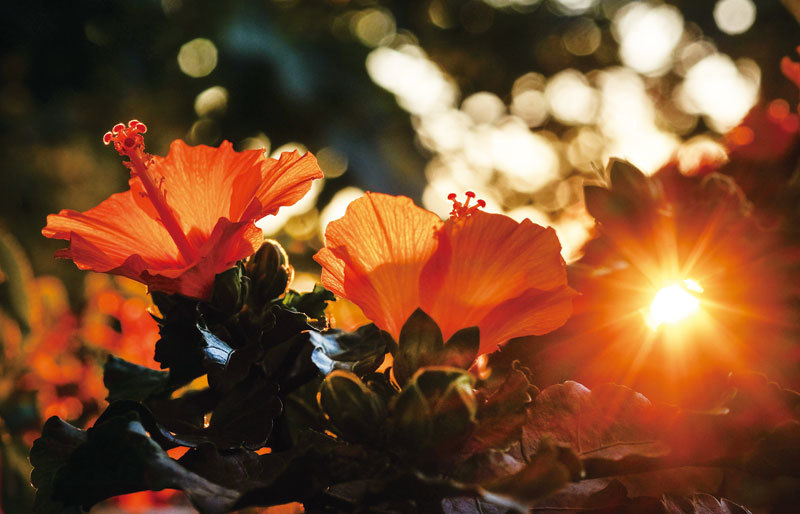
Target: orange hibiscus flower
[186,216]
[390,257]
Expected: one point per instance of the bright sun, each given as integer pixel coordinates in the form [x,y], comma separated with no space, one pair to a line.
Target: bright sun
[674,303]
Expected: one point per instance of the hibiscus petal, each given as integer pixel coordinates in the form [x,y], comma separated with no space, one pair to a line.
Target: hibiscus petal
[374,256]
[535,312]
[202,184]
[485,260]
[286,180]
[104,237]
[229,242]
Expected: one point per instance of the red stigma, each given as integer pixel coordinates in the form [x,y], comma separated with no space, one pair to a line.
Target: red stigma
[461,211]
[128,139]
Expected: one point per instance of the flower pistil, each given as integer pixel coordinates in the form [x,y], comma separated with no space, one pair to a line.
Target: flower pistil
[129,142]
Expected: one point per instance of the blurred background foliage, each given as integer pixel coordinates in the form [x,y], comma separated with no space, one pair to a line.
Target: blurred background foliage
[521,101]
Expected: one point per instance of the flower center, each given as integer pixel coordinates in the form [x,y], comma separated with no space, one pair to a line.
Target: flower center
[129,142]
[461,211]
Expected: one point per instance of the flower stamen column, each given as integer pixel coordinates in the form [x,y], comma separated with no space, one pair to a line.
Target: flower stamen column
[129,142]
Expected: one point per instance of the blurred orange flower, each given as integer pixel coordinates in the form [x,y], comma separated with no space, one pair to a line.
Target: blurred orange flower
[791,69]
[116,319]
[389,257]
[186,216]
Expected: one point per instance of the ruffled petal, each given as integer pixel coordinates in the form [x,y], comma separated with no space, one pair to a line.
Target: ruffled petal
[202,184]
[483,261]
[374,256]
[104,237]
[286,180]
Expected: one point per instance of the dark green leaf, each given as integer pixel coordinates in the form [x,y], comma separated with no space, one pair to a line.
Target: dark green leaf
[180,347]
[237,469]
[461,350]
[230,290]
[312,304]
[245,416]
[48,454]
[115,457]
[216,352]
[128,381]
[419,344]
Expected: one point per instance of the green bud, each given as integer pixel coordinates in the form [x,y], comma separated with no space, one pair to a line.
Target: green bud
[435,412]
[355,412]
[269,272]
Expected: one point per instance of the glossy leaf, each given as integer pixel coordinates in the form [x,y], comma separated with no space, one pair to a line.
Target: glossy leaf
[361,351]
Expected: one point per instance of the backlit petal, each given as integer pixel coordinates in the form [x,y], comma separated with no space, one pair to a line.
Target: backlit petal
[105,236]
[485,260]
[286,180]
[535,312]
[229,242]
[374,256]
[198,185]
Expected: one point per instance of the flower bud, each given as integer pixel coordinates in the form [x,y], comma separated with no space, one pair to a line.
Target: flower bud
[355,412]
[435,412]
[269,272]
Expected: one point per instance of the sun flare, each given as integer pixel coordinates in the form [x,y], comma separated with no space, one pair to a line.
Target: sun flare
[674,303]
